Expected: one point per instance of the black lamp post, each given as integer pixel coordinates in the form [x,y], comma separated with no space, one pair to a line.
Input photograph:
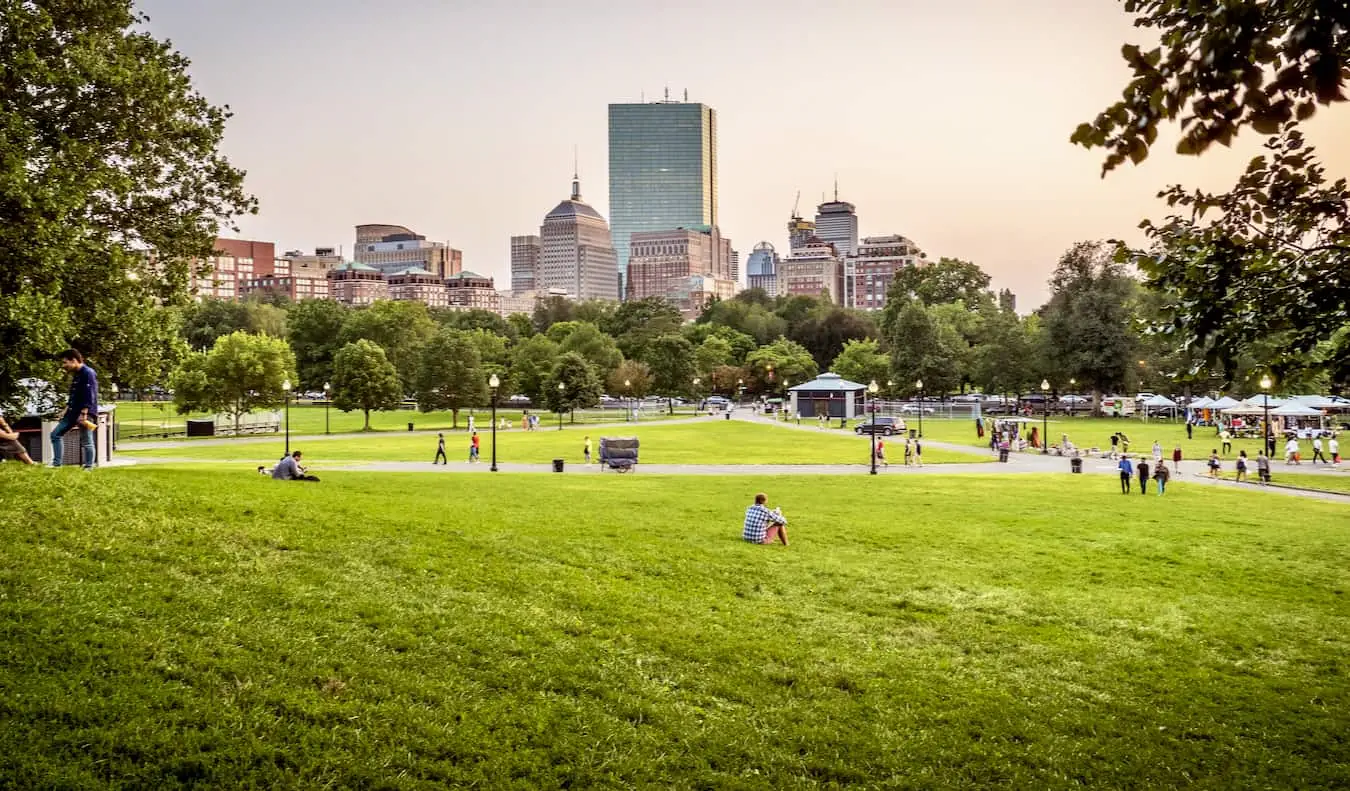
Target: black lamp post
[697,381]
[494,383]
[1045,415]
[740,392]
[872,391]
[562,388]
[628,388]
[327,400]
[286,388]
[1265,397]
[918,385]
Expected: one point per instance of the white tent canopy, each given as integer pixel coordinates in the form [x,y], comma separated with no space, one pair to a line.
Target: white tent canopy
[1245,410]
[1260,400]
[1159,400]
[1295,409]
[1223,403]
[1320,402]
[1200,403]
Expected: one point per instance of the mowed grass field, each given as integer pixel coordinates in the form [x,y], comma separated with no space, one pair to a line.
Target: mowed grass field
[166,628]
[708,441]
[137,419]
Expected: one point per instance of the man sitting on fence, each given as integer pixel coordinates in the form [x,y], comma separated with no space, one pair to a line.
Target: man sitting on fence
[289,469]
[762,526]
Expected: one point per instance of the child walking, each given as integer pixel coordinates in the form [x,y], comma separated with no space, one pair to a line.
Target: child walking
[473,448]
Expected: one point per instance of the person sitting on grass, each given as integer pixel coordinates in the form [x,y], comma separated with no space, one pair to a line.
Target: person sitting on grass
[289,469]
[762,526]
[10,447]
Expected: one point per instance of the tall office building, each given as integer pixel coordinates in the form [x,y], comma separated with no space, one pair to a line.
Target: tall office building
[736,267]
[576,253]
[681,266]
[813,270]
[837,223]
[868,275]
[761,270]
[524,262]
[662,170]
[799,231]
[394,248]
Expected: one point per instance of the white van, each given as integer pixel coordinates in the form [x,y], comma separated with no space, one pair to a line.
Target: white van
[1113,405]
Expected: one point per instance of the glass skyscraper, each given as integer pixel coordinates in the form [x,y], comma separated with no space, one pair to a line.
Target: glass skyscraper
[662,170]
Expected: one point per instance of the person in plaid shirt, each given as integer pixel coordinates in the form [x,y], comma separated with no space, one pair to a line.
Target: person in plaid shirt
[762,526]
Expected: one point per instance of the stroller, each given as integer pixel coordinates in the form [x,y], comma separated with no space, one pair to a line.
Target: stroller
[619,453]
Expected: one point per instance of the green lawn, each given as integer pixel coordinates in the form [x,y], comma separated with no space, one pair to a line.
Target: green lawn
[146,420]
[166,628]
[711,441]
[1338,481]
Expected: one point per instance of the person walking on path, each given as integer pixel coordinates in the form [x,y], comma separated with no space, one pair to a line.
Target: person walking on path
[1115,443]
[1334,448]
[918,452]
[440,450]
[1263,467]
[1317,451]
[1291,451]
[473,448]
[1157,451]
[1242,466]
[586,450]
[881,452]
[909,452]
[1190,428]
[1161,475]
[1176,459]
[1227,439]
[1126,473]
[1143,476]
[81,410]
[1214,463]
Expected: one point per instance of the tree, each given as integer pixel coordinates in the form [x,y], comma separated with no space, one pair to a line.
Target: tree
[451,374]
[1088,320]
[313,327]
[631,379]
[740,343]
[827,328]
[364,379]
[862,361]
[399,327]
[598,348]
[266,318]
[241,373]
[521,325]
[922,350]
[790,361]
[1220,67]
[580,385]
[208,320]
[725,379]
[947,281]
[107,151]
[478,319]
[712,354]
[532,363]
[671,360]
[550,311]
[753,320]
[1268,263]
[636,323]
[1004,361]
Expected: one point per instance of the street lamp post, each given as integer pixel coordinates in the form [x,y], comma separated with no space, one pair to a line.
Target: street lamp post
[1265,398]
[740,392]
[1045,415]
[494,383]
[562,388]
[918,385]
[872,391]
[628,388]
[696,403]
[327,401]
[286,388]
[114,418]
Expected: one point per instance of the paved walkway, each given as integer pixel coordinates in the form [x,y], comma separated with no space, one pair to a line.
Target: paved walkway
[1018,463]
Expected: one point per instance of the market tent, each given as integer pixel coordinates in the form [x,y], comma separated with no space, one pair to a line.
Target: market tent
[1295,409]
[1223,403]
[1260,400]
[1159,400]
[1320,402]
[1245,410]
[1200,403]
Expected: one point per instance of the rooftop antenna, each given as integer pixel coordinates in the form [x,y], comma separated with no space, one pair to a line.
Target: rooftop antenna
[643,96]
[798,200]
[686,94]
[667,93]
[576,178]
[836,187]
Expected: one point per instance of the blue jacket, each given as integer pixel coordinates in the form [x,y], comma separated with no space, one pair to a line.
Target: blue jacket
[83,392]
[1126,467]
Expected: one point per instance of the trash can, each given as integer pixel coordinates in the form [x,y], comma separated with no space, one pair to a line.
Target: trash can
[728,415]
[410,427]
[1076,465]
[1003,455]
[557,465]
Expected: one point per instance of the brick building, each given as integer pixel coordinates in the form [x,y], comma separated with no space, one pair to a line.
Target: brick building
[357,284]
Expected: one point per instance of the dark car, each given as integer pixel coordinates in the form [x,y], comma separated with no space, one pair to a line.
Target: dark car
[883,425]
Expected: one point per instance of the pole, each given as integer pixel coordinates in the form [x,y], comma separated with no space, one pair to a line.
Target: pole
[493,468]
[1045,423]
[288,422]
[921,413]
[873,432]
[1265,397]
[326,401]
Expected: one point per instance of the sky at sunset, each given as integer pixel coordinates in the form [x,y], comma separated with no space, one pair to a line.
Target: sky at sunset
[947,122]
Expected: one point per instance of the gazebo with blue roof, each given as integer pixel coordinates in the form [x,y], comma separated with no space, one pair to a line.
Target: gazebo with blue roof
[828,394]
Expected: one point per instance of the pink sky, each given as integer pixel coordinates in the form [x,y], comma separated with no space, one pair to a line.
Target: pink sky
[945,122]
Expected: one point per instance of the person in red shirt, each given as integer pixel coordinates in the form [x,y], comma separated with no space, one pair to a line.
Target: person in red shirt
[473,448]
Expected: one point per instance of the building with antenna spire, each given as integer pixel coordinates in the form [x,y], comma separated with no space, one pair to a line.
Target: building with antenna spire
[837,224]
[662,170]
[576,252]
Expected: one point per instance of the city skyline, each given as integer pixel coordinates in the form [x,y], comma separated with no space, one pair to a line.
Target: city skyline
[959,138]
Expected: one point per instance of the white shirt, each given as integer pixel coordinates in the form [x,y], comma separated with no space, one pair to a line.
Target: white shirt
[1333,445]
[1317,443]
[1291,446]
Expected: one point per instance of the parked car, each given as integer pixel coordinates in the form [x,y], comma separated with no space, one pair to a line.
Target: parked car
[913,409]
[968,398]
[879,425]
